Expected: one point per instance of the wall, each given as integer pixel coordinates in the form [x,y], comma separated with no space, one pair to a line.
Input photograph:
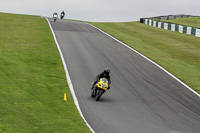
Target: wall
[173,27]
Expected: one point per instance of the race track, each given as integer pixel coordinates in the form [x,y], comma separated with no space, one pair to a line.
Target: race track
[142,99]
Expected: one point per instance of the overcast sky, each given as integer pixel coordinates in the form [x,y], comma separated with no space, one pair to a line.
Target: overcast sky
[102,10]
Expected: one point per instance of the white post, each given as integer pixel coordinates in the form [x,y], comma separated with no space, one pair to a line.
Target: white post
[146,20]
[154,23]
[173,27]
[150,22]
[180,28]
[197,33]
[189,30]
[159,24]
[166,26]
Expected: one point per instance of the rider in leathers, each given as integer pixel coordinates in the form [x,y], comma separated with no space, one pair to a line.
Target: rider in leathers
[104,74]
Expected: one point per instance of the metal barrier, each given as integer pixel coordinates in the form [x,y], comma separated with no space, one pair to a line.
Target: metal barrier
[173,27]
[168,17]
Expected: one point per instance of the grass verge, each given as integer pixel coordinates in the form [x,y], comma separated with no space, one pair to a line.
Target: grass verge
[178,53]
[32,80]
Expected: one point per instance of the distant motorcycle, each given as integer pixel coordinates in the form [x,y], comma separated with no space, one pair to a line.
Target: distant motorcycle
[62,16]
[55,17]
[99,88]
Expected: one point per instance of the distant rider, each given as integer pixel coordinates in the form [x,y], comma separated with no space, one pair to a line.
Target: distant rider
[104,74]
[62,14]
[55,15]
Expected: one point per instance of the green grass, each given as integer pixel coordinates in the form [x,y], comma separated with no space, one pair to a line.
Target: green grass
[189,21]
[32,80]
[176,52]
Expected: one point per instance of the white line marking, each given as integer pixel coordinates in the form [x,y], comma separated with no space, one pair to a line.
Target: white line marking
[68,78]
[148,60]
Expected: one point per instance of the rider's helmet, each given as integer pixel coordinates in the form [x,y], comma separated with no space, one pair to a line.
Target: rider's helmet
[106,71]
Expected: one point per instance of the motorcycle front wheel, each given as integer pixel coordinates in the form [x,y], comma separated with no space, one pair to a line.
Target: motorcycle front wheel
[92,93]
[99,94]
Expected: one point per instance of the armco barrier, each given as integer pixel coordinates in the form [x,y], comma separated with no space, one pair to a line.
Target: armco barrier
[173,27]
[168,17]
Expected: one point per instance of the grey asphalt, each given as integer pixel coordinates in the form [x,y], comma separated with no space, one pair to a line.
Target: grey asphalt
[142,99]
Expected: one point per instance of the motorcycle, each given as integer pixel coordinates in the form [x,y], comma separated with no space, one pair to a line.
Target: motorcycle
[62,16]
[55,17]
[99,88]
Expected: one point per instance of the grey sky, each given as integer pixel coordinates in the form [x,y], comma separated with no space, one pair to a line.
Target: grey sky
[102,10]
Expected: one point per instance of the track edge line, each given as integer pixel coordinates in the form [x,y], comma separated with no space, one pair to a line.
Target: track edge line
[68,78]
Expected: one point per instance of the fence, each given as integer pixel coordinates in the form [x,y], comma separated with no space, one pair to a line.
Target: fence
[169,17]
[173,27]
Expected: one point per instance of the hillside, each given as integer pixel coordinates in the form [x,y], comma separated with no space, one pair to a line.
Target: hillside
[32,80]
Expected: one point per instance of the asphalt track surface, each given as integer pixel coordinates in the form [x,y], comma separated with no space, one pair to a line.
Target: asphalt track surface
[142,99]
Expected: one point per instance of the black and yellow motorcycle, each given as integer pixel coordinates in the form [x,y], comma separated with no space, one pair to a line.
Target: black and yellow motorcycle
[99,88]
